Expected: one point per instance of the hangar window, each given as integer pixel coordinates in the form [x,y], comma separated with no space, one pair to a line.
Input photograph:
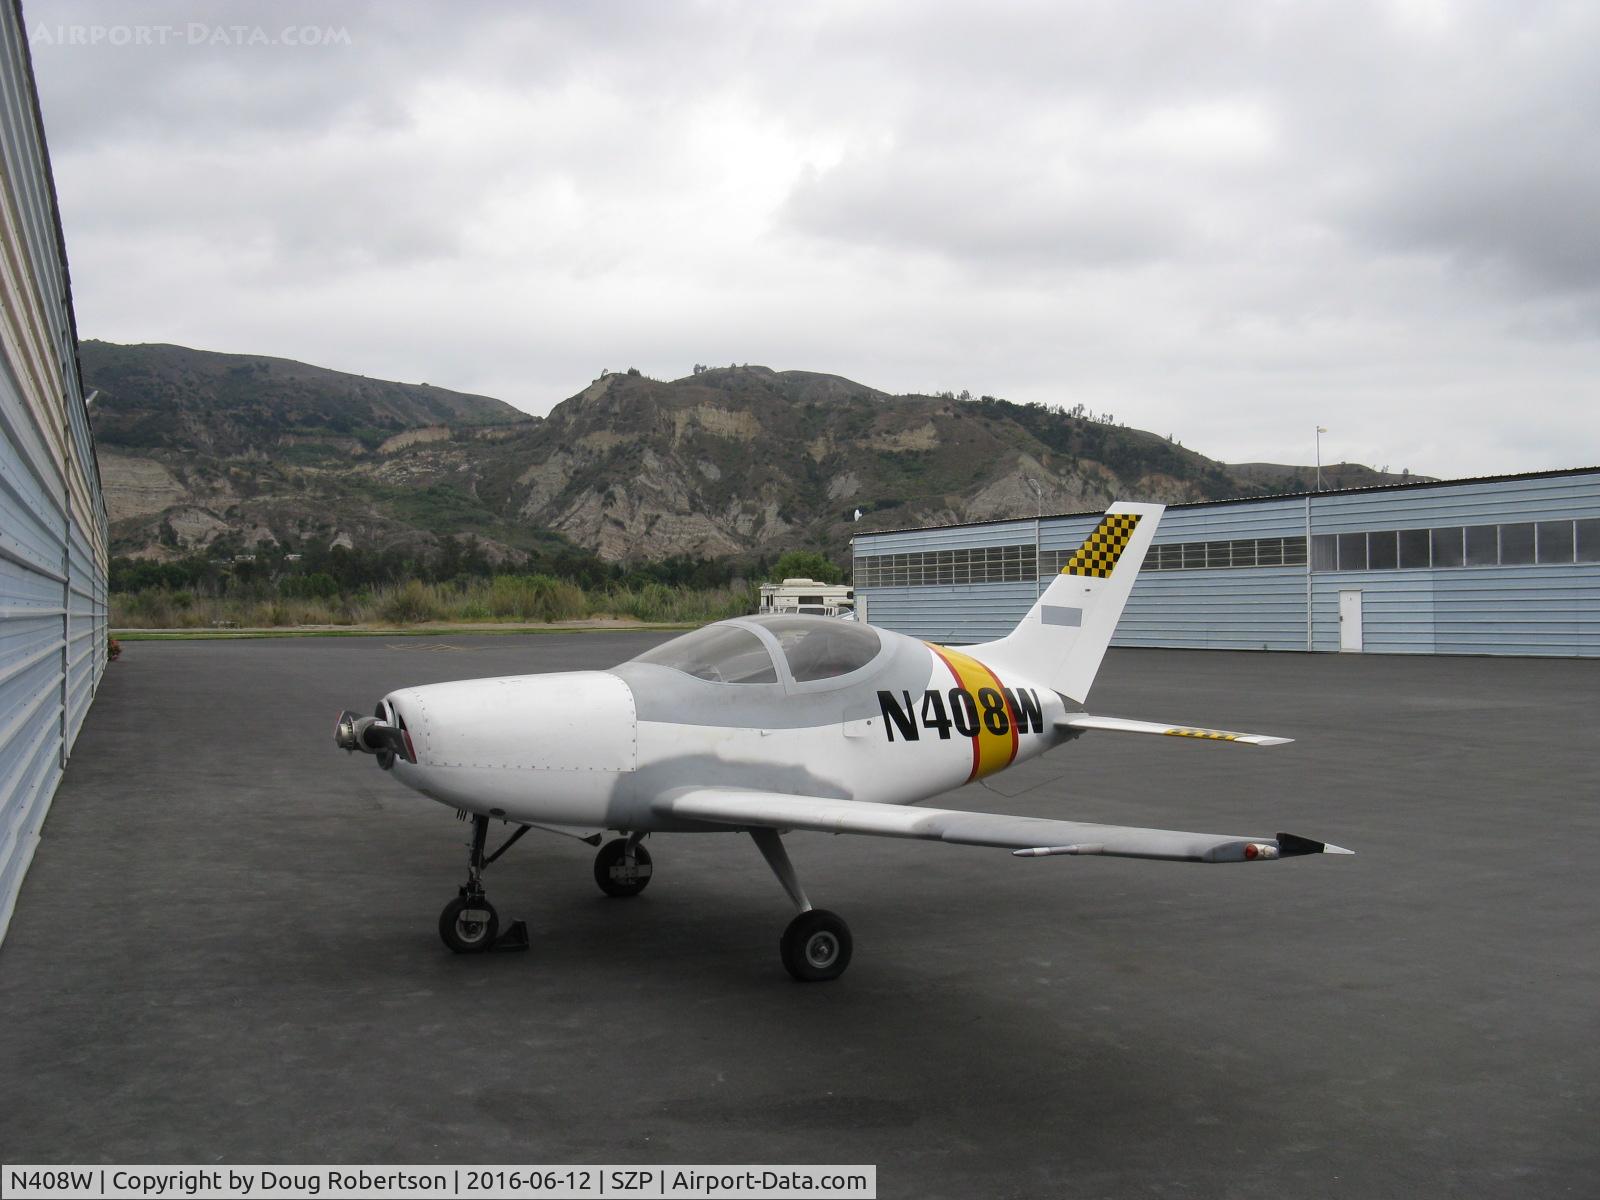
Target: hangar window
[1414,548]
[718,653]
[1447,544]
[1483,545]
[1016,563]
[822,647]
[1519,543]
[1244,552]
[1382,552]
[1352,552]
[1589,540]
[1555,541]
[1516,544]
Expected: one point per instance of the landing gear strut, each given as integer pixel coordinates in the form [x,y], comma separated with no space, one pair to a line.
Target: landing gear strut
[817,944]
[469,923]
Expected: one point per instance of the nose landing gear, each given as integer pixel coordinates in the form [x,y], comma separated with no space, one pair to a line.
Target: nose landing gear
[469,923]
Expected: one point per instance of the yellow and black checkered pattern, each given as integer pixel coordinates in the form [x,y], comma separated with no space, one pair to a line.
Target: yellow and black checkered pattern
[1215,735]
[1098,555]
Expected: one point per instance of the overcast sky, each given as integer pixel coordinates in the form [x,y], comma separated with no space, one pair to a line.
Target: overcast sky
[1227,222]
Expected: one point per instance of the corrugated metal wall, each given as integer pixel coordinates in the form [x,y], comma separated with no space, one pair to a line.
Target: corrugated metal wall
[52,515]
[1528,610]
[1533,609]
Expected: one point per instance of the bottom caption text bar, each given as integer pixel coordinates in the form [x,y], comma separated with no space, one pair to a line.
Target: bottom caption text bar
[701,1182]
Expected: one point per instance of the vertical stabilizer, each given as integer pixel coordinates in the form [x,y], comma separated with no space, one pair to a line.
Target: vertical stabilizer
[1064,636]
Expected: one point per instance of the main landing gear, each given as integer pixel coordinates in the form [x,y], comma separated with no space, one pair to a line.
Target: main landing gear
[817,944]
[815,947]
[622,868]
[469,923]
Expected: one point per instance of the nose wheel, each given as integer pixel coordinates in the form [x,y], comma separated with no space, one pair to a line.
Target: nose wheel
[469,923]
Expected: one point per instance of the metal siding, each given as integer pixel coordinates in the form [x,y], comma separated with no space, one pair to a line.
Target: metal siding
[1262,608]
[53,535]
[1218,522]
[1483,503]
[915,541]
[1396,610]
[1539,609]
[955,613]
[1065,533]
[1519,610]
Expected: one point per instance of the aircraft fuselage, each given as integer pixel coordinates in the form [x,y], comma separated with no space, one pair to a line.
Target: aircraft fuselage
[594,749]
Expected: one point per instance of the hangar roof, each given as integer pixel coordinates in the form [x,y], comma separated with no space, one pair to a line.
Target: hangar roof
[1376,487]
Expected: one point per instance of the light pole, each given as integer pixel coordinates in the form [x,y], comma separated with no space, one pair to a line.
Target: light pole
[1320,432]
[1038,518]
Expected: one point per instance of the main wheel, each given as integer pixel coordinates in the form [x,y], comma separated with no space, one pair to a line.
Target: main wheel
[469,925]
[816,946]
[615,875]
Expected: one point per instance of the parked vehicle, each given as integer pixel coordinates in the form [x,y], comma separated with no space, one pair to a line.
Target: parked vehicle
[808,598]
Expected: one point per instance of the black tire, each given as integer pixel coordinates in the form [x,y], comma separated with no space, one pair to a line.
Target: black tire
[613,874]
[464,929]
[816,946]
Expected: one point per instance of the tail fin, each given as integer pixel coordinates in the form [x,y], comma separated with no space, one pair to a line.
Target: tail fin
[1064,636]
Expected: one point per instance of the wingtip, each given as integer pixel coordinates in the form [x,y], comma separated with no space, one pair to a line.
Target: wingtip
[1290,845]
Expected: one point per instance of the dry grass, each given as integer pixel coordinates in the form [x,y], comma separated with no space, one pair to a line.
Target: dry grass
[530,598]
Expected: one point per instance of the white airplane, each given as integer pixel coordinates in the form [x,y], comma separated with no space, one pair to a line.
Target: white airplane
[776,723]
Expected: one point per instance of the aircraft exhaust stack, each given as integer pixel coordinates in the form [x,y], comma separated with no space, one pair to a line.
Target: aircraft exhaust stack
[371,735]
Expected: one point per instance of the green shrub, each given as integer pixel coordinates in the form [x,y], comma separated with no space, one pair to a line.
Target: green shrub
[410,603]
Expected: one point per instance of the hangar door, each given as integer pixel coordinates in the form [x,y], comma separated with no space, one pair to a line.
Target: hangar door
[1350,621]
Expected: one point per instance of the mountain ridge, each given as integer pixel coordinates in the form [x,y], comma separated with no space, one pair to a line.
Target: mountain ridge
[227,453]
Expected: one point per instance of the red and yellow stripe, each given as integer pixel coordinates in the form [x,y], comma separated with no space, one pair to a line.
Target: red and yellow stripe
[991,752]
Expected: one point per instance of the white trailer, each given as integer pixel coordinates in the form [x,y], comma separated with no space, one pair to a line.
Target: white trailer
[809,597]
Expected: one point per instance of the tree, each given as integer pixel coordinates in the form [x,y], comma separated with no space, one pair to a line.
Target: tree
[806,564]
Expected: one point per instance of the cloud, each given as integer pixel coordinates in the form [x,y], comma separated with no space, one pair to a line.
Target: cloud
[1230,222]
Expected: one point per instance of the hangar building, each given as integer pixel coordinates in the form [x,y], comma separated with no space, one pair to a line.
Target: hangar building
[1502,565]
[52,513]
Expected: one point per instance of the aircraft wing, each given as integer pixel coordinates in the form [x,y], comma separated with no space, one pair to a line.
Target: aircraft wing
[1083,721]
[1026,837]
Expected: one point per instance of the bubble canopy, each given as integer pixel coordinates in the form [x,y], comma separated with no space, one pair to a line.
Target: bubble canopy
[814,648]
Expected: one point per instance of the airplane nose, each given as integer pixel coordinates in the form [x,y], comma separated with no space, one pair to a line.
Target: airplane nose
[568,721]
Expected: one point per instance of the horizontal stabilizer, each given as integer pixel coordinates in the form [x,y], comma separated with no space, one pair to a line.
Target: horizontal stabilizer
[1083,721]
[1028,837]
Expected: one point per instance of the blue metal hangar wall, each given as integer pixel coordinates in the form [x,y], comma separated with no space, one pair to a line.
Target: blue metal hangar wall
[52,513]
[1501,565]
